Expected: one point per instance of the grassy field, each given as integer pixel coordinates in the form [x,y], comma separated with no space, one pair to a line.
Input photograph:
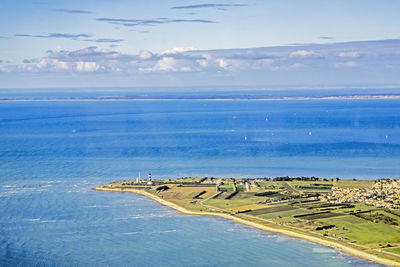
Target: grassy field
[271,210]
[318,215]
[233,203]
[363,231]
[180,193]
[247,207]
[270,184]
[282,214]
[311,187]
[395,250]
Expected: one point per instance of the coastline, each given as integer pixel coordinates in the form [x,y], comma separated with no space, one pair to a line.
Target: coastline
[89,99]
[346,249]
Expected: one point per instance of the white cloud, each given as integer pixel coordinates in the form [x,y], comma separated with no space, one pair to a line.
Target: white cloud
[205,61]
[367,61]
[112,55]
[222,63]
[83,66]
[347,64]
[302,53]
[352,54]
[185,59]
[62,65]
[43,64]
[168,64]
[177,50]
[145,55]
[83,60]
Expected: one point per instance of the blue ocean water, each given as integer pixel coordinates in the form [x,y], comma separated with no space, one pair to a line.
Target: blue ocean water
[53,153]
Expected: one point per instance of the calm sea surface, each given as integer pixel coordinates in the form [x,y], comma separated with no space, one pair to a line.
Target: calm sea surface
[53,153]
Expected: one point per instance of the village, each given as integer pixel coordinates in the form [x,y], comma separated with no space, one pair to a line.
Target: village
[385,193]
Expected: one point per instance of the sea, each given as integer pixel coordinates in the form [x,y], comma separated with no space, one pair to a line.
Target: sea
[53,152]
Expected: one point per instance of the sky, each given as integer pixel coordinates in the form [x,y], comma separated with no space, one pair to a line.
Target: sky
[98,43]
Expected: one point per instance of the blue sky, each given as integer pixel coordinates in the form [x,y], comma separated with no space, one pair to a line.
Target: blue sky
[187,43]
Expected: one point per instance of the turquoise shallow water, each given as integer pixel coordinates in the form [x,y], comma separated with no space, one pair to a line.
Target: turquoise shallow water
[53,153]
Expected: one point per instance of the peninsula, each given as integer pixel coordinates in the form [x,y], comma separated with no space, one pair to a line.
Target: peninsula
[360,217]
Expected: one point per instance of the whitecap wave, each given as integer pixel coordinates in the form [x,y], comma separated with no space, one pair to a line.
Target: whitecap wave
[98,206]
[131,233]
[170,231]
[48,221]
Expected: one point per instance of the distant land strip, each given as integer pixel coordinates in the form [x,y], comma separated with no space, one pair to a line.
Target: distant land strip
[250,98]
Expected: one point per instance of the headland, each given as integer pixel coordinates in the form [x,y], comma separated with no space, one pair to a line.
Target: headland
[359,217]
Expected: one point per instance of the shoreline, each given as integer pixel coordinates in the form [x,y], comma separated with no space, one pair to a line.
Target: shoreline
[66,99]
[346,249]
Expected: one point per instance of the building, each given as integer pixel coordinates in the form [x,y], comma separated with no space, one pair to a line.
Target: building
[137,181]
[149,181]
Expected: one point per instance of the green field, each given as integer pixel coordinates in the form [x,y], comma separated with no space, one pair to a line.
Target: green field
[395,250]
[232,203]
[364,232]
[282,214]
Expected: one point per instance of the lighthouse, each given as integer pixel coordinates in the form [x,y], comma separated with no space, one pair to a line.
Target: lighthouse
[149,181]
